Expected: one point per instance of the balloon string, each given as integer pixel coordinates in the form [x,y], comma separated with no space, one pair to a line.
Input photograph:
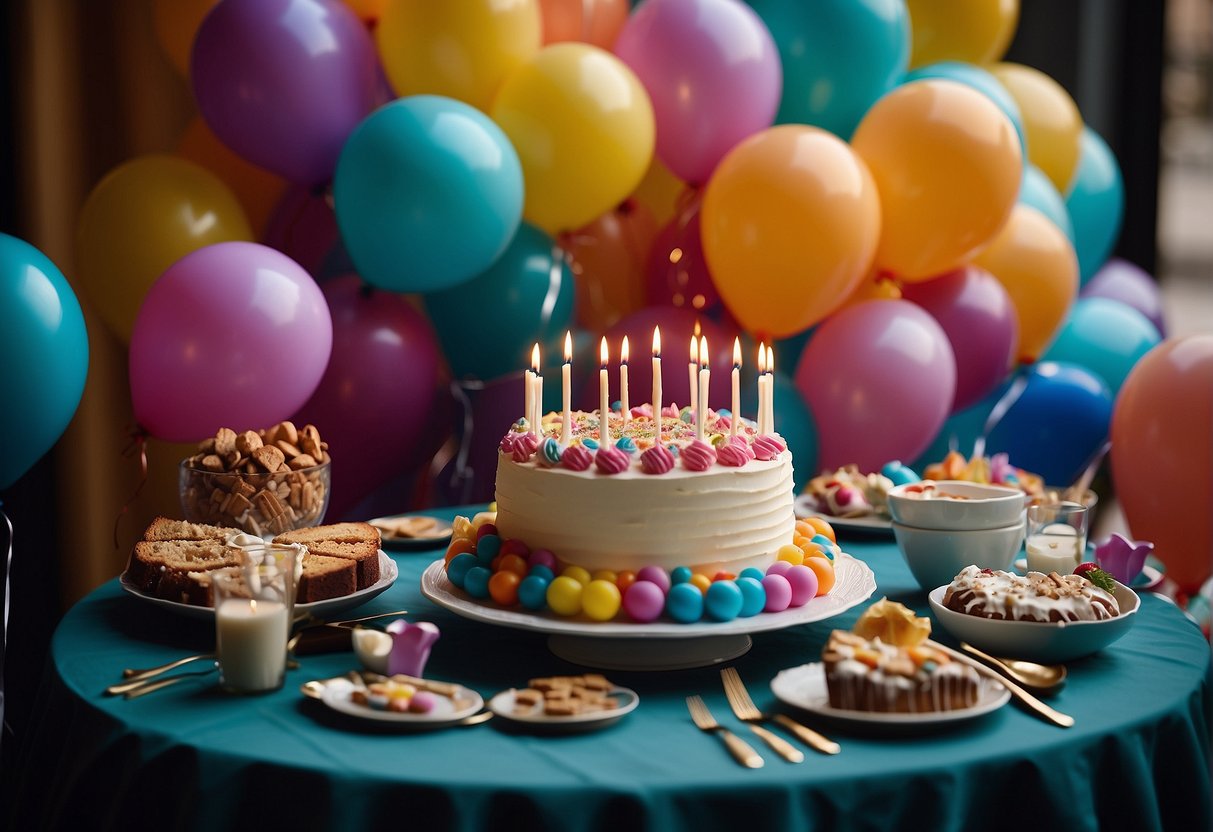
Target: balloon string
[999,411]
[555,280]
[462,479]
[138,444]
[8,563]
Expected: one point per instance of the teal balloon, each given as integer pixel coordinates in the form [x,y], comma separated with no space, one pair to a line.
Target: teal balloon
[795,423]
[980,80]
[487,325]
[1038,191]
[839,57]
[1096,203]
[788,350]
[43,356]
[428,193]
[1106,337]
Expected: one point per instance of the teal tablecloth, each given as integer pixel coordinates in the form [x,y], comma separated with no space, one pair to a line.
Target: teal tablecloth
[191,757]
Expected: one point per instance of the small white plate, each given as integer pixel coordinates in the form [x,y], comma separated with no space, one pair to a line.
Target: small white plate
[874,525]
[446,710]
[805,687]
[503,705]
[439,535]
[1152,572]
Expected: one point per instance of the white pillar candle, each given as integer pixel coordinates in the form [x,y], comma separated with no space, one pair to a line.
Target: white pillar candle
[537,395]
[624,407]
[251,643]
[657,383]
[770,390]
[566,390]
[604,398]
[1058,548]
[736,388]
[760,419]
[701,417]
[528,405]
[693,374]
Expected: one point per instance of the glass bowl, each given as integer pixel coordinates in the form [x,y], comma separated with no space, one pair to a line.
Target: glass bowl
[256,502]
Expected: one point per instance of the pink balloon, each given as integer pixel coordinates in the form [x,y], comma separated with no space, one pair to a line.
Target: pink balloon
[978,317]
[713,73]
[232,335]
[303,227]
[677,272]
[374,399]
[879,377]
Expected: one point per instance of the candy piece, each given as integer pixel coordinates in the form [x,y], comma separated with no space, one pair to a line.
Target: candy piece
[732,455]
[542,557]
[825,573]
[542,571]
[898,473]
[459,547]
[514,546]
[422,702]
[724,576]
[779,592]
[779,567]
[791,553]
[701,581]
[458,568]
[753,596]
[752,572]
[578,573]
[576,458]
[827,546]
[679,575]
[533,591]
[601,600]
[524,447]
[484,528]
[564,595]
[476,581]
[512,563]
[625,579]
[487,548]
[741,442]
[684,603]
[506,446]
[550,452]
[604,575]
[655,575]
[503,586]
[411,643]
[627,445]
[657,460]
[767,447]
[723,600]
[611,461]
[644,601]
[698,456]
[589,443]
[822,527]
[803,581]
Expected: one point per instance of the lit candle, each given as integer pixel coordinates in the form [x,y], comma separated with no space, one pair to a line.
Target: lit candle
[604,398]
[537,381]
[657,381]
[566,387]
[770,410]
[251,642]
[760,420]
[528,391]
[736,388]
[623,383]
[704,376]
[692,373]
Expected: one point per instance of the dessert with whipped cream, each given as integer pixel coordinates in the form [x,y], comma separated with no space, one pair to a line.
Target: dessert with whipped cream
[991,593]
[849,493]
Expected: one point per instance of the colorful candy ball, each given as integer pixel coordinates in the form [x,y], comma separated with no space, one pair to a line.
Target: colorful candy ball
[684,603]
[625,579]
[655,575]
[533,591]
[514,546]
[512,563]
[476,581]
[487,548]
[486,529]
[779,567]
[779,592]
[700,581]
[723,600]
[503,586]
[827,545]
[564,595]
[578,573]
[824,570]
[543,572]
[803,582]
[790,553]
[422,702]
[542,557]
[644,601]
[601,600]
[458,568]
[680,575]
[752,572]
[753,596]
[604,575]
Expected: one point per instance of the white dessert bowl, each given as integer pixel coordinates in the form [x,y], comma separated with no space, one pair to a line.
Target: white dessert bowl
[975,506]
[936,555]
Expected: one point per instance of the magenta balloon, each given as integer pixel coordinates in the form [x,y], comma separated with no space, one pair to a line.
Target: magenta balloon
[1122,281]
[374,400]
[303,227]
[979,318]
[232,335]
[712,72]
[284,82]
[879,378]
[677,272]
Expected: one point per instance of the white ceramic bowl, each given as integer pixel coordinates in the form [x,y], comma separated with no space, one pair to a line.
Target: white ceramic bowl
[936,555]
[1037,641]
[980,506]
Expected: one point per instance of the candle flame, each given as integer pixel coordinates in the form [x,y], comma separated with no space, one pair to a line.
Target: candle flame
[762,358]
[703,351]
[623,353]
[603,353]
[568,347]
[695,348]
[737,352]
[252,606]
[697,329]
[770,359]
[535,358]
[657,342]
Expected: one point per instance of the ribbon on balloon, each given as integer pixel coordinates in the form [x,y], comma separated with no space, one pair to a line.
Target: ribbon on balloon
[8,562]
[137,445]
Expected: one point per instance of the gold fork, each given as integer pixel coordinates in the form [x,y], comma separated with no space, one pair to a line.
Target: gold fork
[737,701]
[745,710]
[707,723]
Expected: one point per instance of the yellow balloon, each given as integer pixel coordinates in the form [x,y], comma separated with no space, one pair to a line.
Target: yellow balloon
[947,165]
[139,220]
[977,31]
[176,23]
[660,191]
[462,50]
[1051,121]
[1036,264]
[789,224]
[583,128]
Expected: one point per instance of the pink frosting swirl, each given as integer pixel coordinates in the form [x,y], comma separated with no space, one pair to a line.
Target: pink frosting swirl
[507,442]
[732,454]
[698,456]
[657,460]
[524,446]
[767,447]
[611,460]
[741,442]
[576,458]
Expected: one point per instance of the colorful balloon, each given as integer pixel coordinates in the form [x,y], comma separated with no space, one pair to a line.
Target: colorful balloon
[140,219]
[936,215]
[789,222]
[980,80]
[661,192]
[1122,281]
[1050,118]
[232,335]
[284,82]
[256,189]
[978,317]
[795,423]
[590,21]
[1038,191]
[304,228]
[1161,447]
[1035,263]
[428,194]
[368,11]
[712,73]
[1106,337]
[677,273]
[879,378]
[488,324]
[839,57]
[960,431]
[977,31]
[1096,204]
[176,23]
[459,50]
[583,127]
[43,356]
[608,262]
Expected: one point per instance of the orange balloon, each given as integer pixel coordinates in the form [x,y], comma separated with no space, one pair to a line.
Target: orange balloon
[1051,121]
[257,190]
[1037,266]
[1162,441]
[369,11]
[661,191]
[878,286]
[590,21]
[947,165]
[977,31]
[790,222]
[608,262]
[176,23]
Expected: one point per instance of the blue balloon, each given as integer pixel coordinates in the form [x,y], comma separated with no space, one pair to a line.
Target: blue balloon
[1096,203]
[1105,336]
[980,80]
[428,193]
[1038,191]
[839,57]
[487,325]
[1057,424]
[43,356]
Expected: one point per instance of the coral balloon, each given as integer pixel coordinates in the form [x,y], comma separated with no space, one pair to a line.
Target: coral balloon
[947,165]
[1050,119]
[712,73]
[1122,281]
[977,31]
[583,127]
[1161,447]
[677,272]
[978,317]
[232,335]
[176,23]
[459,50]
[1035,263]
[591,21]
[284,82]
[1096,204]
[1106,337]
[140,219]
[790,222]
[256,189]
[608,259]
[383,352]
[879,378]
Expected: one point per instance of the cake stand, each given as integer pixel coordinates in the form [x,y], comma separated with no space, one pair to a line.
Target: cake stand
[660,645]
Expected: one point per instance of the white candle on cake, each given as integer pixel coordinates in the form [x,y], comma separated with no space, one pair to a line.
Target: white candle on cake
[624,407]
[537,382]
[251,643]
[770,390]
[760,419]
[657,382]
[604,398]
[693,374]
[566,389]
[736,388]
[701,417]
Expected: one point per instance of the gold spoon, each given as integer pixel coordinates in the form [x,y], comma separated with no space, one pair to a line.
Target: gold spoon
[1039,676]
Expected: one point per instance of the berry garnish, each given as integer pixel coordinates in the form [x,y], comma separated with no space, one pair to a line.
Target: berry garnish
[1097,576]
[1084,568]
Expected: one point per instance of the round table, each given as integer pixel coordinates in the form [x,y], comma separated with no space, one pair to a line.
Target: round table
[191,757]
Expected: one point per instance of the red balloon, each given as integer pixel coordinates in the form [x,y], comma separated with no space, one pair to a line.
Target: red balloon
[303,227]
[677,273]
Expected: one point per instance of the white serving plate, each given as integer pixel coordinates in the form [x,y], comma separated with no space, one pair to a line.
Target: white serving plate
[873,525]
[503,706]
[440,537]
[446,710]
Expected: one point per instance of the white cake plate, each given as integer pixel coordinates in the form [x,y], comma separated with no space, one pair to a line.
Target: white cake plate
[660,645]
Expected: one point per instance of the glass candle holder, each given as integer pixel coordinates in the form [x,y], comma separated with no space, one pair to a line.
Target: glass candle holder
[1057,537]
[254,605]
